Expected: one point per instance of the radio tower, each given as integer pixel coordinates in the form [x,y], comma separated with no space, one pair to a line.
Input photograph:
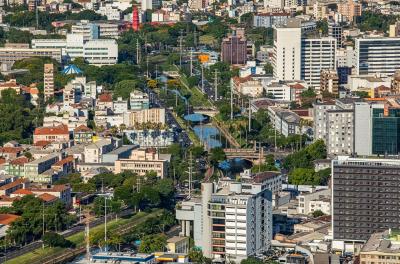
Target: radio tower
[135,18]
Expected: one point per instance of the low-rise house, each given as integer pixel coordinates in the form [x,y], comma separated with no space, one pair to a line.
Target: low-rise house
[35,169]
[16,167]
[56,133]
[65,166]
[83,134]
[94,152]
[316,198]
[284,121]
[10,153]
[247,86]
[13,186]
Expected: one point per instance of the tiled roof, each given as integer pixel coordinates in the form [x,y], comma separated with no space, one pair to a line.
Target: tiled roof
[56,130]
[23,191]
[82,128]
[105,97]
[297,86]
[7,219]
[64,161]
[2,161]
[42,143]
[19,161]
[10,149]
[47,197]
[13,184]
[54,188]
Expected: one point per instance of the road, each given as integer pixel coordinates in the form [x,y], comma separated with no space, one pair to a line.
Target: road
[183,137]
[76,229]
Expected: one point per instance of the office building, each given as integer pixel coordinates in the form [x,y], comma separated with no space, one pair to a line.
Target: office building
[95,51]
[88,30]
[287,51]
[144,161]
[317,54]
[48,81]
[377,128]
[382,247]
[268,20]
[9,55]
[377,55]
[329,81]
[231,220]
[365,197]
[234,50]
[109,30]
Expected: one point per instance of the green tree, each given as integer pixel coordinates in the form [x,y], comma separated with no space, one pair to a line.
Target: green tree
[124,88]
[52,239]
[251,260]
[196,256]
[153,243]
[217,155]
[317,213]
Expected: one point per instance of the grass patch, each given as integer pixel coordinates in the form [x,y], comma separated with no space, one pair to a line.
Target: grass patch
[35,255]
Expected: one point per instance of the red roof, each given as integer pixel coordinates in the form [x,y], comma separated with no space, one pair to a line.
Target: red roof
[105,97]
[19,161]
[10,149]
[47,197]
[7,219]
[297,86]
[82,128]
[42,143]
[56,130]
[23,191]
[64,161]
[2,161]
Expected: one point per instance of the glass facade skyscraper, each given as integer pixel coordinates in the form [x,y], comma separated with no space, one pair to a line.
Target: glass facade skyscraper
[386,131]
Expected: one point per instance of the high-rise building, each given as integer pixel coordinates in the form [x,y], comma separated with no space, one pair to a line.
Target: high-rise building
[48,80]
[365,195]
[377,128]
[317,54]
[234,50]
[377,55]
[329,81]
[287,51]
[232,220]
[336,31]
[350,9]
[334,123]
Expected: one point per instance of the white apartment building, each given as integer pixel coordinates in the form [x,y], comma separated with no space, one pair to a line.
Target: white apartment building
[334,123]
[317,54]
[120,106]
[231,220]
[269,20]
[93,153]
[110,11]
[139,100]
[88,30]
[284,121]
[287,51]
[97,51]
[377,55]
[310,202]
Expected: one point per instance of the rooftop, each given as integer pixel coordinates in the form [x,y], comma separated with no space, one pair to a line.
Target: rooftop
[7,219]
[56,130]
[387,241]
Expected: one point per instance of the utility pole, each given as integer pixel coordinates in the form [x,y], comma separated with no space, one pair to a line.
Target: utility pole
[191,63]
[231,102]
[147,65]
[137,52]
[190,173]
[202,78]
[180,48]
[195,37]
[275,140]
[87,237]
[215,85]
[37,14]
[105,223]
[43,224]
[249,114]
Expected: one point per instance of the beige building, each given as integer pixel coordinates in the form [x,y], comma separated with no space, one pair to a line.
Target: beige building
[350,9]
[143,161]
[247,86]
[394,30]
[11,84]
[329,81]
[48,79]
[152,115]
[382,248]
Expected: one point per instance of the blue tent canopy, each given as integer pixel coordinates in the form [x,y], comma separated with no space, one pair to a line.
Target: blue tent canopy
[71,69]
